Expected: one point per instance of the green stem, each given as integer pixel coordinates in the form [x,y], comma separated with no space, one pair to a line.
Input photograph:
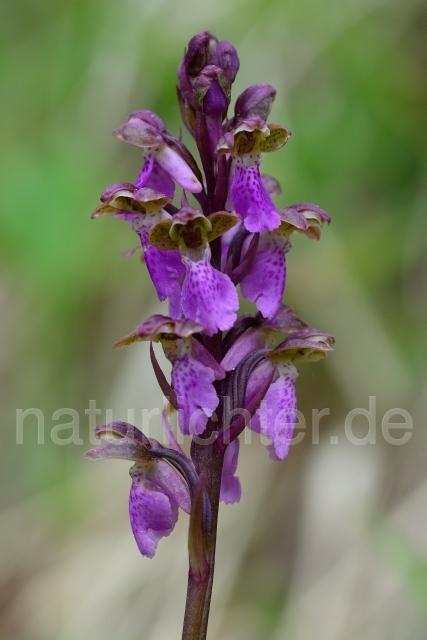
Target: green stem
[199,590]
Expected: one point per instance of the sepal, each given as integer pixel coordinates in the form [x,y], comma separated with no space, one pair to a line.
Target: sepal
[276,140]
[156,326]
[224,56]
[315,218]
[307,345]
[255,100]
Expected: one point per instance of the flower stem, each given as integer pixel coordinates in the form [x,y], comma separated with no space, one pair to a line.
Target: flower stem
[199,591]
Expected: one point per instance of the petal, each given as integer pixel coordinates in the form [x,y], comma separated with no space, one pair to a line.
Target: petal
[277,412]
[200,353]
[256,380]
[252,339]
[250,198]
[167,430]
[177,168]
[231,489]
[152,514]
[175,303]
[145,172]
[160,181]
[208,296]
[171,483]
[226,241]
[166,271]
[265,281]
[271,184]
[197,399]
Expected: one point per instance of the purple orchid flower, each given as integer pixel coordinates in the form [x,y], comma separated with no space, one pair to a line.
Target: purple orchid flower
[277,413]
[276,416]
[165,157]
[208,295]
[248,195]
[157,490]
[194,370]
[143,208]
[155,495]
[264,282]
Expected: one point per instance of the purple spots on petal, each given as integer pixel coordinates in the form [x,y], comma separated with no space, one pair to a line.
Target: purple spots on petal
[156,492]
[277,413]
[264,283]
[197,398]
[166,271]
[145,172]
[250,198]
[208,296]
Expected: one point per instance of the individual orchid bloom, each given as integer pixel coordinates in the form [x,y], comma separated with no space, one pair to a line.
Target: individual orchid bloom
[277,413]
[157,490]
[247,194]
[276,416]
[143,208]
[194,369]
[256,100]
[208,296]
[212,90]
[264,282]
[155,495]
[165,157]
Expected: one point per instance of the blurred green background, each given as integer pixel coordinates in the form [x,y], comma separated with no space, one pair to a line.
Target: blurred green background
[331,544]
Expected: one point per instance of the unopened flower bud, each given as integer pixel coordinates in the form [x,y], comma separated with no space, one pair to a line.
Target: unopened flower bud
[224,56]
[199,53]
[212,90]
[255,100]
